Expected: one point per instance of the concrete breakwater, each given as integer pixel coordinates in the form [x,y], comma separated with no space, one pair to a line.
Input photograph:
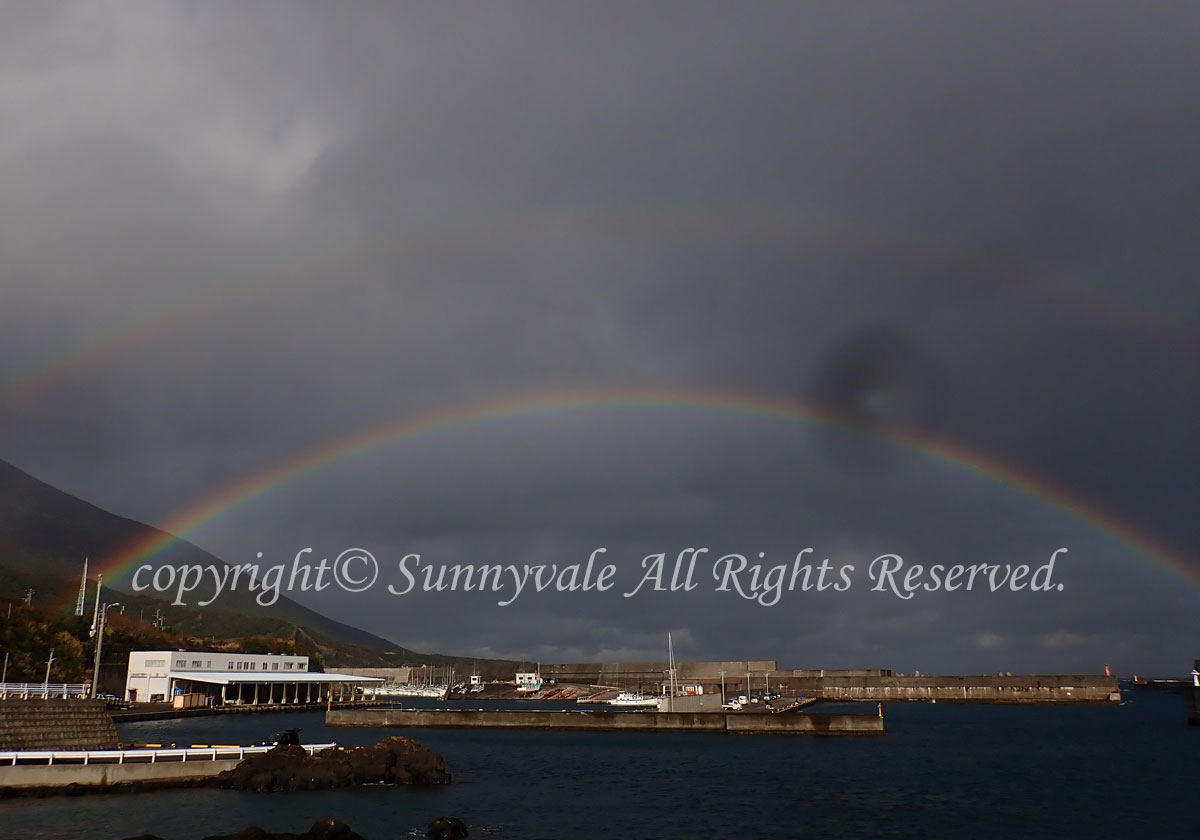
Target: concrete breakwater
[962,689]
[798,724]
[842,684]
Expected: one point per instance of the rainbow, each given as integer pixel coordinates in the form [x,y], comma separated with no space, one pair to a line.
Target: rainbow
[309,462]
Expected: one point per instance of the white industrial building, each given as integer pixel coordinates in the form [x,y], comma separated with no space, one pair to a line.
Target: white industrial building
[232,678]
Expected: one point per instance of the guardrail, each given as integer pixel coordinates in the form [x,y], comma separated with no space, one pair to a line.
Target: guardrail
[44,691]
[139,756]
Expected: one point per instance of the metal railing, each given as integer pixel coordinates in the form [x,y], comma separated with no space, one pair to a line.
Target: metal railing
[44,691]
[139,756]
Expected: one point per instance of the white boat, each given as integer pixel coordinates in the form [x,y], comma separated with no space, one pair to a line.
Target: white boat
[633,700]
[399,690]
[530,687]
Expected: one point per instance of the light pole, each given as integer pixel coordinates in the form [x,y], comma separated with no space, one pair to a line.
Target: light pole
[103,619]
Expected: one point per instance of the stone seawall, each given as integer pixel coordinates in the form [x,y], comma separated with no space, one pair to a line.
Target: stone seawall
[802,724]
[56,725]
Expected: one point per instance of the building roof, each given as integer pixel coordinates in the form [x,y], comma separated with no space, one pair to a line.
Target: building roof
[220,678]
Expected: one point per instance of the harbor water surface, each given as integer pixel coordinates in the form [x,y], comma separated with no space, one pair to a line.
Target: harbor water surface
[941,771]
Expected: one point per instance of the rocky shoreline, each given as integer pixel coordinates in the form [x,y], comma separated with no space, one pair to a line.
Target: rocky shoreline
[396,761]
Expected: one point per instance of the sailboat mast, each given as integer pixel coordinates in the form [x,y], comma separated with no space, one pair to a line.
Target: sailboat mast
[670,672]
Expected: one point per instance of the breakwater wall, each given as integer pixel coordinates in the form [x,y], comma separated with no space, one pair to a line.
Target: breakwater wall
[962,689]
[866,684]
[763,724]
[648,676]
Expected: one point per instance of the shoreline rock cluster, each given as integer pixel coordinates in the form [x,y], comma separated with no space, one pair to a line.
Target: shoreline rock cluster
[328,828]
[397,761]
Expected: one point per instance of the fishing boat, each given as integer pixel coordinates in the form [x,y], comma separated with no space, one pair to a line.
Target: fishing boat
[633,700]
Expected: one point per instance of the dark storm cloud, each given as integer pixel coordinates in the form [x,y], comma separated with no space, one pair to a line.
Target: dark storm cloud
[294,222]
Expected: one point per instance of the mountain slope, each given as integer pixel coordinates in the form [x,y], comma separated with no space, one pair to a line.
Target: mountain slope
[45,534]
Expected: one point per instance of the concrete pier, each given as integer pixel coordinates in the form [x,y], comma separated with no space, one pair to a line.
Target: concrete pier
[744,724]
[58,776]
[52,770]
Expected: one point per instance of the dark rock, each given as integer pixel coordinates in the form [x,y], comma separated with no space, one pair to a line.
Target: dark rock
[145,837]
[251,833]
[393,761]
[326,828]
[447,828]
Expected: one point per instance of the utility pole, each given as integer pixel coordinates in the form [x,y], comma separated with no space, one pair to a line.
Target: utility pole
[96,614]
[99,644]
[49,662]
[4,677]
[722,688]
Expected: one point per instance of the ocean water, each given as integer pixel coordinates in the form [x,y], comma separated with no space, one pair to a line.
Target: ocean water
[941,771]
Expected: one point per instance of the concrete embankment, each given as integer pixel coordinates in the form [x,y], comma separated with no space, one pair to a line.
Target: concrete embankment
[799,724]
[59,776]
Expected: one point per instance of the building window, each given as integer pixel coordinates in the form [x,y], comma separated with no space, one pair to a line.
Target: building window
[230,664]
[180,663]
[287,666]
[274,666]
[156,663]
[196,663]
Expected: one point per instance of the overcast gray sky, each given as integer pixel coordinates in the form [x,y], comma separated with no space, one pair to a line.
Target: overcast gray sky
[232,233]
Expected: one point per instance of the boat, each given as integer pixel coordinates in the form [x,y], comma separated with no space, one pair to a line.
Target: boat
[530,687]
[633,700]
[438,692]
